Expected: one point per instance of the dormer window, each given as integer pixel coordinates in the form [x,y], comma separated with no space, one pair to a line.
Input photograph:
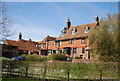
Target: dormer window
[86,29]
[63,32]
[74,30]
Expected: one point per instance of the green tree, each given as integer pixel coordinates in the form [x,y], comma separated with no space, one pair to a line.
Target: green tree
[104,38]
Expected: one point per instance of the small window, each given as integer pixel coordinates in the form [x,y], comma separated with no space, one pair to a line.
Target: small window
[86,29]
[70,41]
[48,44]
[44,45]
[49,51]
[74,50]
[74,41]
[63,32]
[74,31]
[83,41]
[60,43]
[55,43]
[83,50]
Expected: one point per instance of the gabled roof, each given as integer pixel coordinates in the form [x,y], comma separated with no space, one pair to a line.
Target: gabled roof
[48,38]
[79,33]
[23,44]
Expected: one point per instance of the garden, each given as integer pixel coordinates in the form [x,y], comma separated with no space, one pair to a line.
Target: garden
[57,71]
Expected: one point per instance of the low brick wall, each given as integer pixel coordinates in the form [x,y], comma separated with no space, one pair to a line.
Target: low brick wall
[85,60]
[56,61]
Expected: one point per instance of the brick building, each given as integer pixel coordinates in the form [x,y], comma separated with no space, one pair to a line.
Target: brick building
[73,41]
[24,46]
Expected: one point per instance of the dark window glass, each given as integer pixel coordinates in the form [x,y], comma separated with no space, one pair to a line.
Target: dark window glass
[74,50]
[55,43]
[83,50]
[70,41]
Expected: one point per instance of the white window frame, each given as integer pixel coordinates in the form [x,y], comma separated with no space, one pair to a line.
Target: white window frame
[70,41]
[74,41]
[73,31]
[60,43]
[86,29]
[74,50]
[48,44]
[82,41]
[55,43]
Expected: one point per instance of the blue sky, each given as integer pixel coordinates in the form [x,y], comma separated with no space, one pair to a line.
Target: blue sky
[36,20]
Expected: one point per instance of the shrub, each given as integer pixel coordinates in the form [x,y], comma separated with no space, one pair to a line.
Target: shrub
[5,59]
[33,57]
[77,58]
[61,57]
[42,59]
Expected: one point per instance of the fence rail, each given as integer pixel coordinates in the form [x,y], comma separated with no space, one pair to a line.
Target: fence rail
[60,70]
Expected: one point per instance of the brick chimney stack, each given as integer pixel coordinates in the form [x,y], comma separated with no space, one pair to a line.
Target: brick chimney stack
[68,23]
[20,36]
[97,19]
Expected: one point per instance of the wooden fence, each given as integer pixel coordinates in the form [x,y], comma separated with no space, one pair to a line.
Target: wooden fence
[60,70]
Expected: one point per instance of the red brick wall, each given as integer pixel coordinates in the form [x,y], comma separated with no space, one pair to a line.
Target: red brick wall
[85,60]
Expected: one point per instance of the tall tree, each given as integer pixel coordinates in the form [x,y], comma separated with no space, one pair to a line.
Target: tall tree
[104,39]
[5,23]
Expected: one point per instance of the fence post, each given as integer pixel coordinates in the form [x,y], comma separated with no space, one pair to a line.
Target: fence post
[68,74]
[101,75]
[67,68]
[101,72]
[11,68]
[26,71]
[44,72]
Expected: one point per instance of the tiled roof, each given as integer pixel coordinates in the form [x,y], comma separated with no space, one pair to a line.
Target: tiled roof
[79,33]
[46,39]
[23,44]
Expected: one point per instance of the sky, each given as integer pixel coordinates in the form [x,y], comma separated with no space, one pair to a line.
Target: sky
[36,20]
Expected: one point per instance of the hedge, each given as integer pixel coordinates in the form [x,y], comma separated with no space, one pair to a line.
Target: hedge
[34,57]
[61,57]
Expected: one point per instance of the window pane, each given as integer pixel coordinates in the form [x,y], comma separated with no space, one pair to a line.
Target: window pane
[83,50]
[74,41]
[74,50]
[83,41]
[70,41]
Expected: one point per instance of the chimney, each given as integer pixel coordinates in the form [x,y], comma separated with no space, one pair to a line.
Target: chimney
[30,40]
[20,36]
[68,23]
[97,19]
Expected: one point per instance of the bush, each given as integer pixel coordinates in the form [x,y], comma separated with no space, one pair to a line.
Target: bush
[42,59]
[61,57]
[5,59]
[33,57]
[77,58]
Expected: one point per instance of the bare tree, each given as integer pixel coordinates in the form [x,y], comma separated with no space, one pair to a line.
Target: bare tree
[5,23]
